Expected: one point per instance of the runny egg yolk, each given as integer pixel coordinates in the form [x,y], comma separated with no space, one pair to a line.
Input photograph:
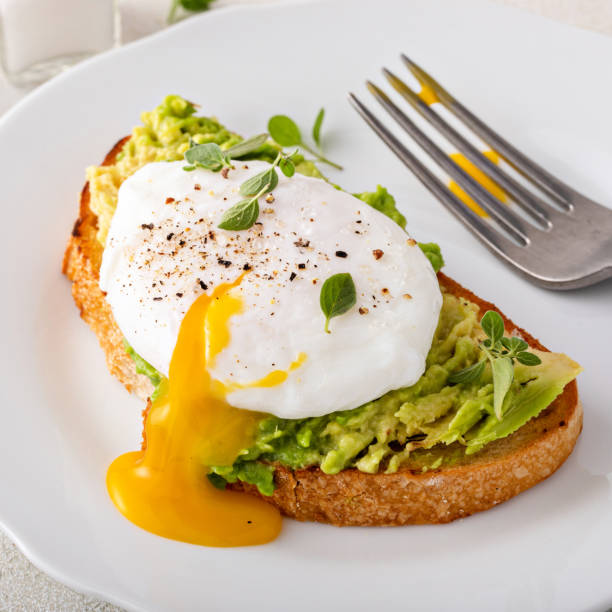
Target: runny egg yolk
[164,488]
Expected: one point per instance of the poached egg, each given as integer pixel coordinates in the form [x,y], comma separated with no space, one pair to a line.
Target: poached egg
[164,250]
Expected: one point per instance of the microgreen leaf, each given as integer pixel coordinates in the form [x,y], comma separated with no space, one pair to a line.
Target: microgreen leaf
[469,374]
[493,325]
[241,216]
[246,146]
[284,131]
[503,375]
[528,359]
[338,295]
[287,166]
[207,155]
[316,128]
[263,181]
[514,344]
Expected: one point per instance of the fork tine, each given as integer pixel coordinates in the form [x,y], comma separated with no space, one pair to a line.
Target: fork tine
[492,238]
[531,204]
[562,194]
[508,219]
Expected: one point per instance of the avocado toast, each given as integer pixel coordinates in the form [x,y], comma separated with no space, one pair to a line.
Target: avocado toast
[341,468]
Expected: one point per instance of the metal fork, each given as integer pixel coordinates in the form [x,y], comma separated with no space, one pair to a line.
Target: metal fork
[567,246]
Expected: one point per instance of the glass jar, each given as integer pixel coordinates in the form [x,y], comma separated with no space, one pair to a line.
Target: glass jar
[39,38]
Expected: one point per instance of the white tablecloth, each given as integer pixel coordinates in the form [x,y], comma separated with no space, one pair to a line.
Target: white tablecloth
[22,586]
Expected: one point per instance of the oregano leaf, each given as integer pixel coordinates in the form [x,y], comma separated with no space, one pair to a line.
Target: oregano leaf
[338,295]
[528,359]
[284,131]
[287,167]
[469,374]
[316,128]
[241,216]
[207,155]
[246,146]
[263,181]
[493,325]
[503,375]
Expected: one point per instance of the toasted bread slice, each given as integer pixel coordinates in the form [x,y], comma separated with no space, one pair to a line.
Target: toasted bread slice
[472,483]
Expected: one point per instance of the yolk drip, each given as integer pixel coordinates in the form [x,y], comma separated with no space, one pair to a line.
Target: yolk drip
[276,377]
[479,176]
[164,489]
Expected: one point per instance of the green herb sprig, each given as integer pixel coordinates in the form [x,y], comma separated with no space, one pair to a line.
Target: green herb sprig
[285,132]
[210,156]
[501,353]
[338,295]
[243,215]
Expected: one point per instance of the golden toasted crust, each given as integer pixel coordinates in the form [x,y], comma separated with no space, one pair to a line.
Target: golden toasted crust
[473,483]
[81,265]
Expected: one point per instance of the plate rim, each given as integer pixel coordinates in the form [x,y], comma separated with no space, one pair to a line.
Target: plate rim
[25,544]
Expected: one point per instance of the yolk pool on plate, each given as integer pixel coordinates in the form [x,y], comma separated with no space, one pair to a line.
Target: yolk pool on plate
[164,488]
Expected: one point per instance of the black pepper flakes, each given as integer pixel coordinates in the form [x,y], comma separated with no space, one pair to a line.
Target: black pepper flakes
[169,236]
[341,254]
[292,276]
[246,267]
[157,299]
[302,266]
[224,262]
[179,294]
[148,226]
[203,285]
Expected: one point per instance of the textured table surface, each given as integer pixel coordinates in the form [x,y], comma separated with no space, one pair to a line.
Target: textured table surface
[22,586]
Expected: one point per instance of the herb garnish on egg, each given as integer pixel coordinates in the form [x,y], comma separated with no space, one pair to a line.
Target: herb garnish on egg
[338,295]
[209,156]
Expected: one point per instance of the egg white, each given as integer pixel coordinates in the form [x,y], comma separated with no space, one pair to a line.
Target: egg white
[164,249]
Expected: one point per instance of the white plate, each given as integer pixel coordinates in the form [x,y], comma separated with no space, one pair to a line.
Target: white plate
[64,418]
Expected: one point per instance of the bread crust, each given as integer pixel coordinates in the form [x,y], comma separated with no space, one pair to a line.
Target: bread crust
[81,265]
[501,470]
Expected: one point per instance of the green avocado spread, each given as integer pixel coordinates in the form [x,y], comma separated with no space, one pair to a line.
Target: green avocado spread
[426,425]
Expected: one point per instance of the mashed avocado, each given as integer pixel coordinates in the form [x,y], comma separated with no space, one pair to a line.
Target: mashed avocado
[427,423]
[163,136]
[383,434]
